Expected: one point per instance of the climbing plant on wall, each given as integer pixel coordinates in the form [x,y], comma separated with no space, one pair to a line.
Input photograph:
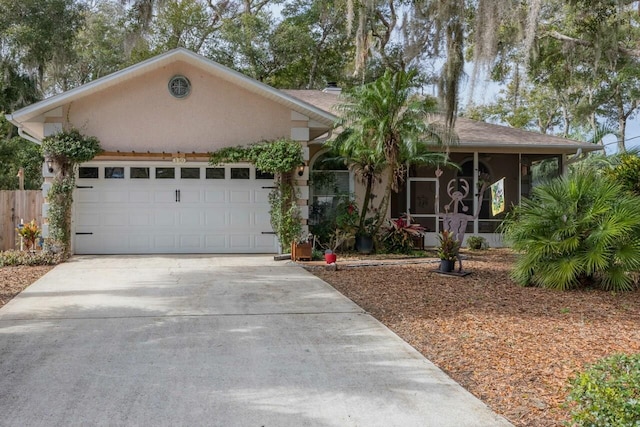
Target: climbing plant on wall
[279,157]
[65,150]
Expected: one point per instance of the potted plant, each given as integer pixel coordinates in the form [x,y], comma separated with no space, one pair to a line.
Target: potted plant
[447,251]
[364,236]
[29,233]
[301,249]
[476,242]
[337,238]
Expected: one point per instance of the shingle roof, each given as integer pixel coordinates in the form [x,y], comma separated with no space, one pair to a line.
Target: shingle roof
[472,133]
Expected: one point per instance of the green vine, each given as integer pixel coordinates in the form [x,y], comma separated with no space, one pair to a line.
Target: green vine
[65,150]
[279,157]
[285,215]
[60,202]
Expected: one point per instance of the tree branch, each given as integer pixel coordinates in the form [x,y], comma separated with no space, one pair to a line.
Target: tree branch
[564,38]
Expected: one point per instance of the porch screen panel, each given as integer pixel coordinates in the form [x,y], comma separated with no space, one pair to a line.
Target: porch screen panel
[422,203]
[423,198]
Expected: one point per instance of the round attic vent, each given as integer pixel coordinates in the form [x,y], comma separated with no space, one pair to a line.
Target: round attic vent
[179,86]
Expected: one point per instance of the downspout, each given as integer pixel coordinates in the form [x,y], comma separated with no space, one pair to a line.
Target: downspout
[573,159]
[21,131]
[322,140]
[28,137]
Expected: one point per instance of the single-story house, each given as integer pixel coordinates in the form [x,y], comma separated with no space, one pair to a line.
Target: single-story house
[153,191]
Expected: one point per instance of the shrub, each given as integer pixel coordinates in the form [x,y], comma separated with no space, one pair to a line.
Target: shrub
[627,172]
[607,393]
[476,242]
[328,217]
[13,257]
[400,234]
[580,230]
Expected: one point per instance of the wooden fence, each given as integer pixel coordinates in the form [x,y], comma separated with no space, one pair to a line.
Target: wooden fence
[15,206]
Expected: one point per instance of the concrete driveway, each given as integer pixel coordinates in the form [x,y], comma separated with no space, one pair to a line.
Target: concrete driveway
[211,341]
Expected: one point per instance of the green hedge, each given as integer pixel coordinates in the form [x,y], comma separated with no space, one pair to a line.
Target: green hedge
[13,257]
[607,393]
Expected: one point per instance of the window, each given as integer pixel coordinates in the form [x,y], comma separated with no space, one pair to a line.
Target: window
[114,173]
[239,173]
[190,173]
[330,182]
[215,173]
[165,173]
[87,173]
[179,86]
[139,173]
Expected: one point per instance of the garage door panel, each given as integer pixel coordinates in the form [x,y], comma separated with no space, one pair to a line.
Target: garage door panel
[263,221]
[115,219]
[240,196]
[149,215]
[165,196]
[139,196]
[262,196]
[164,219]
[239,219]
[117,243]
[139,242]
[87,195]
[215,196]
[216,219]
[192,241]
[115,197]
[165,242]
[215,242]
[190,196]
[87,219]
[240,241]
[189,218]
[265,241]
[140,219]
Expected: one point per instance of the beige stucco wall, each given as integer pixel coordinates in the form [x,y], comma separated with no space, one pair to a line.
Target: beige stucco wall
[141,115]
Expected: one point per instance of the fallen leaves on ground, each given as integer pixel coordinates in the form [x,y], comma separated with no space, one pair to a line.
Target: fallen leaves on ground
[14,279]
[515,348]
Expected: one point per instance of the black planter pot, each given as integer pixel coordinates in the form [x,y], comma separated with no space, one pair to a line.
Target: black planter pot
[364,244]
[447,266]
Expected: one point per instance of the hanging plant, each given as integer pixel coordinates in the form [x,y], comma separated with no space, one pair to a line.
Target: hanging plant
[65,150]
[279,157]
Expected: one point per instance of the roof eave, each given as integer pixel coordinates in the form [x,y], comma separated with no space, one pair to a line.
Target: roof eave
[568,148]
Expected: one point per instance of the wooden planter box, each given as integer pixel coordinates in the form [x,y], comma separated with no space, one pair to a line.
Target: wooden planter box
[301,251]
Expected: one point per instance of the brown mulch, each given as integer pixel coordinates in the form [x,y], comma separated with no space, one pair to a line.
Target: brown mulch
[515,348]
[14,279]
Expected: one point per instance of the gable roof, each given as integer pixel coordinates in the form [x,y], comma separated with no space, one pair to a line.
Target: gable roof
[32,111]
[475,134]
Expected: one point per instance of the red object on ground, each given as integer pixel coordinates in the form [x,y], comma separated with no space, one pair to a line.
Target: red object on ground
[330,258]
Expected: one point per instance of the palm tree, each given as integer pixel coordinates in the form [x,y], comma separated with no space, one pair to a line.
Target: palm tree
[364,161]
[385,127]
[576,230]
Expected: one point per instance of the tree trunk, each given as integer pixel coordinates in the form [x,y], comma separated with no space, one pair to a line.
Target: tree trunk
[365,203]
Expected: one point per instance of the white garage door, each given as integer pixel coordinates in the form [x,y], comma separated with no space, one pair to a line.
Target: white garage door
[146,208]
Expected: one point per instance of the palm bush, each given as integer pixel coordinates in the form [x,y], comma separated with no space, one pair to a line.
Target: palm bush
[578,230]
